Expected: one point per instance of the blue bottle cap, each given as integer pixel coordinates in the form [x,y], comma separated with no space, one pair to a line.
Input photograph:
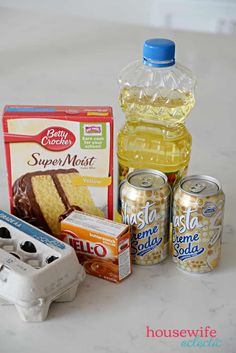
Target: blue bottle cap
[159,52]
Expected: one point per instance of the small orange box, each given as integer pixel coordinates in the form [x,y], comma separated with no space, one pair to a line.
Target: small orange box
[102,246]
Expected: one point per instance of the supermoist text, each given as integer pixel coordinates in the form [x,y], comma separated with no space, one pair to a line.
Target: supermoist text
[69,160]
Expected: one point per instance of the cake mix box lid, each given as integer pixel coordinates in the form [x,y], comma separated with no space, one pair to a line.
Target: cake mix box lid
[59,158]
[57,111]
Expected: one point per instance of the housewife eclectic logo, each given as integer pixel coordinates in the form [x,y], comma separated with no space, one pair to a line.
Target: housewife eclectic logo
[203,337]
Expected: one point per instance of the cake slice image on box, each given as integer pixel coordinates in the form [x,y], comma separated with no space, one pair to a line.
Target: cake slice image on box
[43,198]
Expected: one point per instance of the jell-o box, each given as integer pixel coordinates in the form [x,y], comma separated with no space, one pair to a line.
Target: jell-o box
[102,246]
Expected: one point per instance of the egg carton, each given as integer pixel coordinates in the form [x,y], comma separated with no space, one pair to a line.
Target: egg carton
[35,268]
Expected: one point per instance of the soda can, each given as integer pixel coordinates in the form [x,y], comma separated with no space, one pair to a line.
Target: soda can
[198,211]
[145,206]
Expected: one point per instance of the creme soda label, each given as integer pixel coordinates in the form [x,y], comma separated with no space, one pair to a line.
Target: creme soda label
[147,230]
[197,231]
[186,245]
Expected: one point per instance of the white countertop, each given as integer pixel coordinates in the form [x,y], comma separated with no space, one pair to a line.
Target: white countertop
[74,61]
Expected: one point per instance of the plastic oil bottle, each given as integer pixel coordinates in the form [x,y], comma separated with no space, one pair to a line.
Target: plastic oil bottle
[156,96]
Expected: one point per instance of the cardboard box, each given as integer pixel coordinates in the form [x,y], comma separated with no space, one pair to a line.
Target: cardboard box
[58,159]
[102,246]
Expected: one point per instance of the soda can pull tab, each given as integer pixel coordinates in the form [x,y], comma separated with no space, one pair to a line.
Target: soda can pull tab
[146,182]
[196,188]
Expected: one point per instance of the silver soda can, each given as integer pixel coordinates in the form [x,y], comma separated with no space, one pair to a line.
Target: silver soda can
[145,206]
[198,211]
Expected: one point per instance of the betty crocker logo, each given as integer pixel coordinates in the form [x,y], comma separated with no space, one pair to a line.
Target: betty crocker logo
[54,138]
[57,138]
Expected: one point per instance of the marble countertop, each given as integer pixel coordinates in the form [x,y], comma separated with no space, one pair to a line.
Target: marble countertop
[49,59]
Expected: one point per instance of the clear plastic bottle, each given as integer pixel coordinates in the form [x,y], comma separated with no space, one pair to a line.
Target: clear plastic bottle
[156,95]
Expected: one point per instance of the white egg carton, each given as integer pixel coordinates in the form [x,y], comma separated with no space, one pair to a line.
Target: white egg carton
[35,268]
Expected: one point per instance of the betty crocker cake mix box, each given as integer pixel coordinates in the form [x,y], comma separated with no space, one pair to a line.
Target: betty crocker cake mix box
[58,159]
